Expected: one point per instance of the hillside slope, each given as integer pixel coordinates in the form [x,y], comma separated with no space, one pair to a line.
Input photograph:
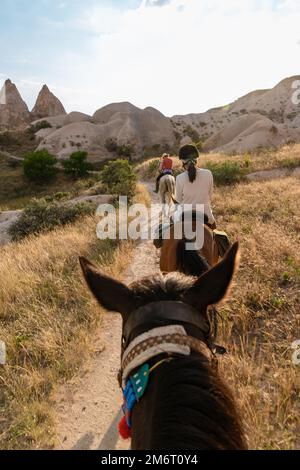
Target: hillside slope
[272,109]
[120,123]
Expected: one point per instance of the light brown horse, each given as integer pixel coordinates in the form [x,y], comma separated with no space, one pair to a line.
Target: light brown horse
[166,193]
[175,257]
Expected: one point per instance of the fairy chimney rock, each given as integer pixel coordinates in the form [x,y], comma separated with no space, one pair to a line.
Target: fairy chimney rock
[47,105]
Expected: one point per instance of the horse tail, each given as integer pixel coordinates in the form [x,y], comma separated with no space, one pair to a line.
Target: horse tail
[190,262]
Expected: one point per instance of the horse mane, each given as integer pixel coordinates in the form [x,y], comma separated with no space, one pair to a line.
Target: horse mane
[190,262]
[187,406]
[194,409]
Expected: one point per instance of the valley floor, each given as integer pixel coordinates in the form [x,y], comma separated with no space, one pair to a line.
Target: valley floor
[54,333]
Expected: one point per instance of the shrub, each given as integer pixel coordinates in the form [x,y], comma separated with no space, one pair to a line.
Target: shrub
[192,133]
[41,216]
[111,145]
[274,130]
[125,150]
[118,177]
[58,196]
[39,166]
[226,173]
[7,139]
[38,126]
[77,165]
[152,168]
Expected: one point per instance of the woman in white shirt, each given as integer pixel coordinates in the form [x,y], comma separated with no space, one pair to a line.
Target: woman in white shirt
[195,185]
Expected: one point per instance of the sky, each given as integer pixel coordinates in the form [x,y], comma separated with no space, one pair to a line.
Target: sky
[179,56]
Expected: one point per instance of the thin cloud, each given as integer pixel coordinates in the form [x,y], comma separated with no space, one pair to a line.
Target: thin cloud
[157,3]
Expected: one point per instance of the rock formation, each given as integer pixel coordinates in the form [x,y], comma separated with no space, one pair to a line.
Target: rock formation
[14,112]
[120,123]
[262,118]
[47,105]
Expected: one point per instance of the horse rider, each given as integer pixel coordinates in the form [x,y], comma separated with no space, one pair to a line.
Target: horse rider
[194,185]
[165,168]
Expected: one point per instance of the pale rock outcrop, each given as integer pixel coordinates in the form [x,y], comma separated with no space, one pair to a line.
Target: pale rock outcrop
[47,105]
[14,112]
[262,118]
[121,122]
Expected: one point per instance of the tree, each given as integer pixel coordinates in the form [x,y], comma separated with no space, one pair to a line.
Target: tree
[77,164]
[118,177]
[39,166]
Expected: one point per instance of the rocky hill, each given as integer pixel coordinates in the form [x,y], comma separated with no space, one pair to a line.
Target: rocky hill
[262,118]
[113,129]
[259,119]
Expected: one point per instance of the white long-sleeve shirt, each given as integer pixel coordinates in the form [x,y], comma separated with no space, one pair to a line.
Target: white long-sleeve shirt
[198,192]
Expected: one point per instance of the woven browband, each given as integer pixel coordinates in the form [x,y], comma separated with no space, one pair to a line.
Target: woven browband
[177,339]
[171,339]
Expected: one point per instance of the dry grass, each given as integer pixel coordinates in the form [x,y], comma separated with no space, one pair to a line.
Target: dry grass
[142,195]
[47,319]
[287,156]
[263,315]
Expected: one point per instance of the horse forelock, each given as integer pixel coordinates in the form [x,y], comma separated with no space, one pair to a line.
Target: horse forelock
[158,288]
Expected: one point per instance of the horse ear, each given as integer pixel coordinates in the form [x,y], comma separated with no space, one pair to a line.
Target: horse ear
[110,293]
[213,285]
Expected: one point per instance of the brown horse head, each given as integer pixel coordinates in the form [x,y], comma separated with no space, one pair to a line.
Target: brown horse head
[115,296]
[186,404]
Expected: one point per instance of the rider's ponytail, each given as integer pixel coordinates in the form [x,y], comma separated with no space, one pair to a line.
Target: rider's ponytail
[192,171]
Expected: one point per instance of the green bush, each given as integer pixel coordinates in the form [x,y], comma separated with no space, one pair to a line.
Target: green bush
[42,216]
[38,126]
[118,177]
[60,196]
[125,150]
[77,165]
[152,168]
[39,166]
[226,173]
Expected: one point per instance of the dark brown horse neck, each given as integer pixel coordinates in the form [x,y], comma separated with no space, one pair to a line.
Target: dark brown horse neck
[186,404]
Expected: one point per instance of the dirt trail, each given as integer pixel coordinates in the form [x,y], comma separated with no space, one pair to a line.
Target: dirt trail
[9,155]
[89,407]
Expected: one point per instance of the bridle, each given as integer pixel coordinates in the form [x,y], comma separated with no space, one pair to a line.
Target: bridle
[165,339]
